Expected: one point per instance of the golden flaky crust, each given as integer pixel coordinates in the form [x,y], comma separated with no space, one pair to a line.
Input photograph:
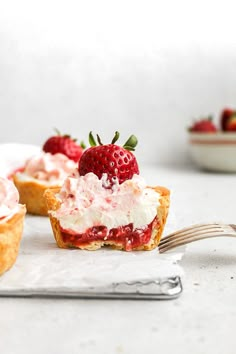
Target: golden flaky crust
[31,194]
[162,212]
[10,237]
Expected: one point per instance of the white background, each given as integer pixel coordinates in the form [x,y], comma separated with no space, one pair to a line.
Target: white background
[142,67]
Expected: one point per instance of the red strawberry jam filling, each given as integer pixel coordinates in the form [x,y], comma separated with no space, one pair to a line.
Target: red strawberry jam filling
[126,236]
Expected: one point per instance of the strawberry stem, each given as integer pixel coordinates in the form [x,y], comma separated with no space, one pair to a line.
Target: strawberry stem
[116,137]
[82,144]
[57,131]
[99,140]
[92,141]
[64,135]
[131,143]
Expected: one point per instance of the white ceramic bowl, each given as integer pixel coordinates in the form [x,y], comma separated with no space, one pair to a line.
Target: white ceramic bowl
[214,152]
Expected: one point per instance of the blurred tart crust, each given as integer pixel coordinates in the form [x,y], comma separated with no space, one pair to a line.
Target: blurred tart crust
[10,236]
[31,194]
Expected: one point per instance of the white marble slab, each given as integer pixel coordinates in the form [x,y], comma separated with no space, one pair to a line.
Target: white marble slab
[43,268]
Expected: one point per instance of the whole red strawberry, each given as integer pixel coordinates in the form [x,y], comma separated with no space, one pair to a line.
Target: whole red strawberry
[227,120]
[231,123]
[204,125]
[114,160]
[65,145]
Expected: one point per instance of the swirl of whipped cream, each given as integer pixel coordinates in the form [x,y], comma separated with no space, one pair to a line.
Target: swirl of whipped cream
[9,197]
[86,202]
[49,168]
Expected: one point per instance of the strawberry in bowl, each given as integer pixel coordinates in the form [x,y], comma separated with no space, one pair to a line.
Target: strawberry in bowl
[212,148]
[204,125]
[108,203]
[58,158]
[228,120]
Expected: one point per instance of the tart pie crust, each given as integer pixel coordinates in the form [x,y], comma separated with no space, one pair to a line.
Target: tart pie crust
[31,194]
[10,236]
[162,212]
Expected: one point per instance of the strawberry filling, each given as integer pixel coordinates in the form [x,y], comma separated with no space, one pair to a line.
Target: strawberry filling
[126,236]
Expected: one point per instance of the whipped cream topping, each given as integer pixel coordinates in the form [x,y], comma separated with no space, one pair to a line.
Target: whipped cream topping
[86,202]
[9,198]
[45,167]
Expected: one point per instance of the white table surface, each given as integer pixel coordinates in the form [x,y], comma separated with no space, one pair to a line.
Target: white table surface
[201,320]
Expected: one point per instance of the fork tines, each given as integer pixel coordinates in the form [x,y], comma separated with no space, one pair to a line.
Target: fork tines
[193,233]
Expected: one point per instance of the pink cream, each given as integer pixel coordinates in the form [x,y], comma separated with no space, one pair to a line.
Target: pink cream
[47,167]
[9,197]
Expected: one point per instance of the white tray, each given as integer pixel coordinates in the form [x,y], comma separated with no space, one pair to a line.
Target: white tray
[43,269]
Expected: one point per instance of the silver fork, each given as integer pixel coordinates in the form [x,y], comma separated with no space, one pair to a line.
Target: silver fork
[195,233]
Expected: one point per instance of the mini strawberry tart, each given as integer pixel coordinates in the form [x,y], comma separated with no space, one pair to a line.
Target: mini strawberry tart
[58,159]
[11,224]
[108,203]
